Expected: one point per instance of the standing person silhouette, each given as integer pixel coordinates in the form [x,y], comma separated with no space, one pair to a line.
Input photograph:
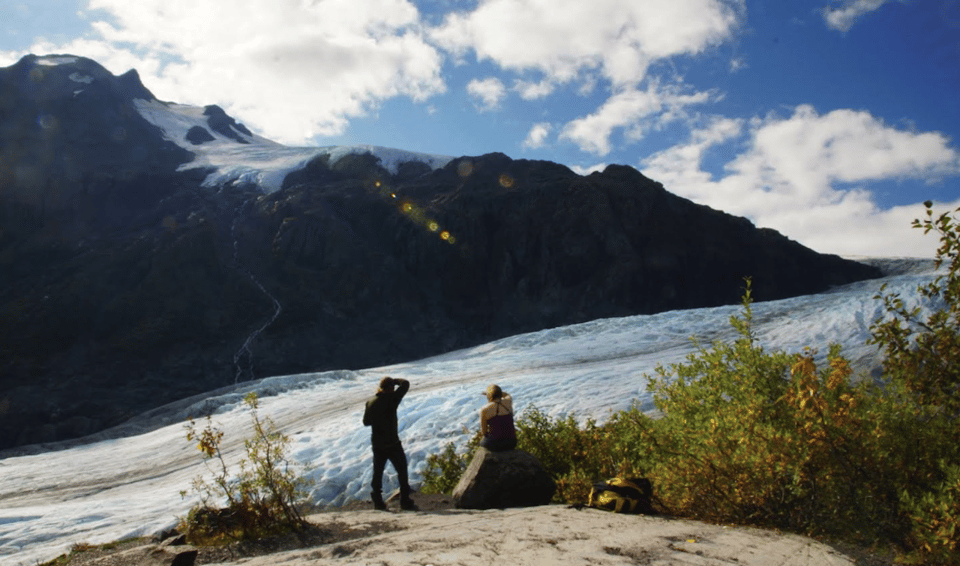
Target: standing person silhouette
[381,416]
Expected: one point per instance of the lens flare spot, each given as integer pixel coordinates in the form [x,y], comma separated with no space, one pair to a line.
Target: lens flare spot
[406,207]
[376,184]
[433,226]
[465,168]
[47,122]
[506,181]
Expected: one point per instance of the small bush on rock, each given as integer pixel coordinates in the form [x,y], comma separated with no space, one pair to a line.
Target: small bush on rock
[262,500]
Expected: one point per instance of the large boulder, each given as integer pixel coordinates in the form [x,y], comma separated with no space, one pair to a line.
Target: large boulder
[497,480]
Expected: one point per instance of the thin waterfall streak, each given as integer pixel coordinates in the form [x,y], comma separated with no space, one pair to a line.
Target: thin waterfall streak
[277,308]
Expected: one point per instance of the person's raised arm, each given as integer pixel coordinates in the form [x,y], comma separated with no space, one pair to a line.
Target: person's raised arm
[402,387]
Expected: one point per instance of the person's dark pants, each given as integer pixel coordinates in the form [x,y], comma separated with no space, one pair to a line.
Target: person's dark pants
[395,454]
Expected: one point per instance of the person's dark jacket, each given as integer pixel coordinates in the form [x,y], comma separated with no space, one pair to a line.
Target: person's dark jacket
[381,415]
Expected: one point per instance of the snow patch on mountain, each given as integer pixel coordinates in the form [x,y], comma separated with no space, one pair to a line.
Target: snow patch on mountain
[81,78]
[260,161]
[55,60]
[390,159]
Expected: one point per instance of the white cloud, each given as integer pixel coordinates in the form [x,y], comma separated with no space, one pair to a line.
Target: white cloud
[631,110]
[843,17]
[289,69]
[530,90]
[805,176]
[562,38]
[487,93]
[679,167]
[537,135]
[293,70]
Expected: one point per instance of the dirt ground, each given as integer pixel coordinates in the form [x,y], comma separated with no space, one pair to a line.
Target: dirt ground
[554,534]
[332,532]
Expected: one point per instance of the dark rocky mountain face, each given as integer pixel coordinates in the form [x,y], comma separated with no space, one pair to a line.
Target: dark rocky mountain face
[126,284]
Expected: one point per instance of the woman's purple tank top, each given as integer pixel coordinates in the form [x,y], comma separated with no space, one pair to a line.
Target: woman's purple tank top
[501,427]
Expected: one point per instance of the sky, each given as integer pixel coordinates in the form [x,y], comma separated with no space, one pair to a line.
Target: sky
[130,486]
[830,121]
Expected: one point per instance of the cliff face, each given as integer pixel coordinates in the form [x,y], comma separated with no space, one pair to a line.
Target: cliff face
[127,283]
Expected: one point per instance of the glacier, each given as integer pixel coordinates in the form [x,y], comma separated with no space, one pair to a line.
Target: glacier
[130,484]
[260,161]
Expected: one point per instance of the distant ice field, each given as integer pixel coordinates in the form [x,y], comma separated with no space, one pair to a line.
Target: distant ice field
[261,162]
[130,486]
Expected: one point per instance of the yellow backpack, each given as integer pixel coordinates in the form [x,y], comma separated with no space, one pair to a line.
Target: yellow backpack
[623,495]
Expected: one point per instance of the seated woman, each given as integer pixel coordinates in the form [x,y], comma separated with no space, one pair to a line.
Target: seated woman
[496,421]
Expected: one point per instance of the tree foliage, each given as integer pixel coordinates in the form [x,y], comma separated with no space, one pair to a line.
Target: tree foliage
[757,437]
[922,358]
[922,352]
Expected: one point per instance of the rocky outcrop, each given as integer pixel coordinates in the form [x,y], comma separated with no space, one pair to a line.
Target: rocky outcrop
[224,125]
[172,552]
[126,284]
[198,135]
[499,480]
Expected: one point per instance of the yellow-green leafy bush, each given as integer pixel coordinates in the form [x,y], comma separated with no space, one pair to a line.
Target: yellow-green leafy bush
[922,363]
[262,500]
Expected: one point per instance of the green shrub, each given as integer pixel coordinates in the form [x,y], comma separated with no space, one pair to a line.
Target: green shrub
[755,437]
[575,455]
[936,519]
[923,353]
[443,471]
[262,500]
[922,370]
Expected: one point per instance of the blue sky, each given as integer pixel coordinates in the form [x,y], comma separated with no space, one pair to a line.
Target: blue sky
[827,120]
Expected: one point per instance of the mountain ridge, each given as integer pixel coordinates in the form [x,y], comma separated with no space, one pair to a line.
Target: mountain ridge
[139,267]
